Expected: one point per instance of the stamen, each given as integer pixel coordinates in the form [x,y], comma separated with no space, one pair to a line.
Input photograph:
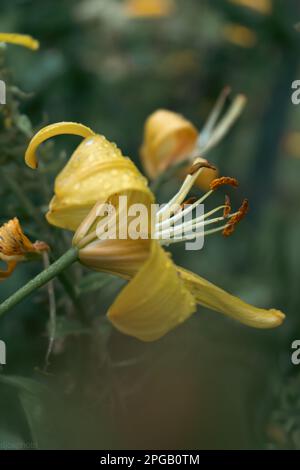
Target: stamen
[188,202]
[227,206]
[161,223]
[236,218]
[213,117]
[184,190]
[225,124]
[189,238]
[198,165]
[184,212]
[190,230]
[224,180]
[189,227]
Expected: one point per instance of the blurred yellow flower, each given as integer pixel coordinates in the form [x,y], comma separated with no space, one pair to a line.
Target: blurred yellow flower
[148,8]
[169,138]
[262,6]
[16,247]
[20,40]
[159,295]
[291,144]
[239,35]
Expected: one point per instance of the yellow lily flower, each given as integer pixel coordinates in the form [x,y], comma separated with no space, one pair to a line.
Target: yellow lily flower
[159,295]
[20,40]
[16,247]
[169,138]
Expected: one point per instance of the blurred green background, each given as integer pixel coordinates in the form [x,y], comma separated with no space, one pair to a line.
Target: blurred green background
[212,383]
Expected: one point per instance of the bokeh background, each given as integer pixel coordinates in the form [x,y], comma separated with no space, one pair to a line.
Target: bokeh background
[212,383]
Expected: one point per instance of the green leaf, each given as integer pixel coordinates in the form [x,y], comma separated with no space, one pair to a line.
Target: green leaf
[33,396]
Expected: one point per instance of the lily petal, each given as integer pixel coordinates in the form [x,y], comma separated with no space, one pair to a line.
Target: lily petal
[123,258]
[214,298]
[155,300]
[20,40]
[96,171]
[11,265]
[14,245]
[168,138]
[52,130]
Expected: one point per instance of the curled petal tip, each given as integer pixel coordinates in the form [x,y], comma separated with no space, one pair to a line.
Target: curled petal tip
[267,319]
[51,131]
[279,317]
[215,298]
[263,319]
[35,44]
[30,158]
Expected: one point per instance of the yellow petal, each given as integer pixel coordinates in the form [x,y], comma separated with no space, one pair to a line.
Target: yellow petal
[123,258]
[168,138]
[214,298]
[96,171]
[65,214]
[14,245]
[155,300]
[11,265]
[52,130]
[20,40]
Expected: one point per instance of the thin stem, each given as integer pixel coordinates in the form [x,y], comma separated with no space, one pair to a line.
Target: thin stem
[54,269]
[52,313]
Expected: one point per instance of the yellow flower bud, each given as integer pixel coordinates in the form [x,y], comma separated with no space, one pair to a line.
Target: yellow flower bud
[168,138]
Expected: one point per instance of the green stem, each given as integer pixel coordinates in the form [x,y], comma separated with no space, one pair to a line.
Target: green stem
[54,269]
